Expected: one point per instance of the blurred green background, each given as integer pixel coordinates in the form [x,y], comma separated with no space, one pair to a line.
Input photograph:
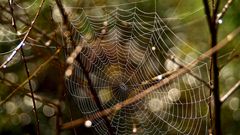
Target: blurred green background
[185,17]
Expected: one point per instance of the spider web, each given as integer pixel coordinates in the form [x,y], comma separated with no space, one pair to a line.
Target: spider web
[125,50]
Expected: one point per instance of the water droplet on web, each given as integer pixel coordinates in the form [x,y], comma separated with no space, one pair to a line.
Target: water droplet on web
[48,43]
[220,21]
[159,77]
[174,94]
[19,33]
[153,48]
[134,130]
[103,31]
[70,60]
[88,123]
[105,23]
[68,72]
[155,104]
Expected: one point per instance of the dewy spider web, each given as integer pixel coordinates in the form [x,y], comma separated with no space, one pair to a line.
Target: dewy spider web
[125,51]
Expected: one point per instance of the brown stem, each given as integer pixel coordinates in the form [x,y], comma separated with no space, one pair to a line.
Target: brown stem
[213,27]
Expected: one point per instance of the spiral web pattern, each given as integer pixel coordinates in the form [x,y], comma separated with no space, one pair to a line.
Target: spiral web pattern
[125,51]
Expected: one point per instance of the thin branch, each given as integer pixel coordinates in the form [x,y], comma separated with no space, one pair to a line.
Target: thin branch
[32,93]
[190,72]
[213,27]
[61,94]
[4,64]
[145,92]
[95,95]
[230,92]
[31,76]
[26,69]
[70,42]
[224,10]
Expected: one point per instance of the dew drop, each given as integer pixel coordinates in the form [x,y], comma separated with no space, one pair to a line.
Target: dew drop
[159,77]
[88,123]
[68,72]
[174,94]
[19,33]
[220,21]
[153,48]
[103,31]
[70,60]
[48,43]
[134,130]
[105,23]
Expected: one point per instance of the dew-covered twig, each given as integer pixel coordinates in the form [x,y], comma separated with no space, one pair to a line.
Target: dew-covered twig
[224,10]
[22,43]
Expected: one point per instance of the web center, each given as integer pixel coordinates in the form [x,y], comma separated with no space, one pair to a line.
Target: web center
[123,87]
